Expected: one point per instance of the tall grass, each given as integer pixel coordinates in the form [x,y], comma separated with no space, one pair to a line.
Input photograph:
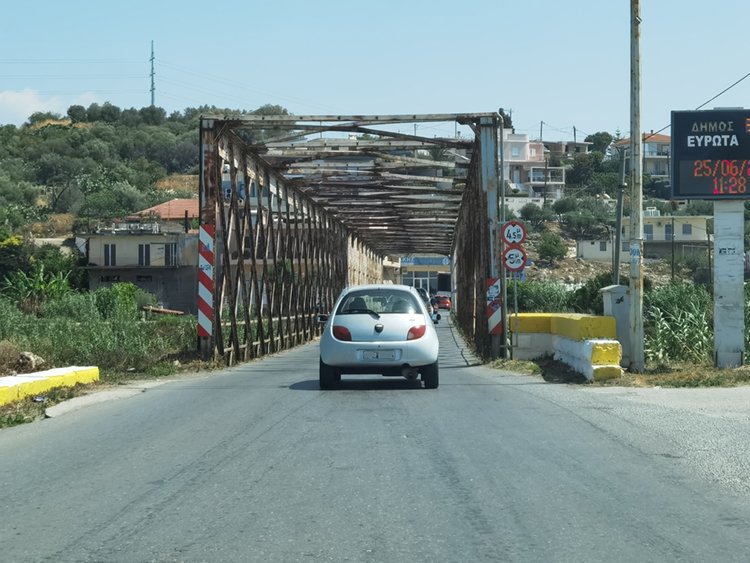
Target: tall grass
[103,328]
[678,318]
[541,296]
[678,324]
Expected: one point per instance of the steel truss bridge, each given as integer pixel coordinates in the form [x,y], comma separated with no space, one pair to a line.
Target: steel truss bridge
[294,208]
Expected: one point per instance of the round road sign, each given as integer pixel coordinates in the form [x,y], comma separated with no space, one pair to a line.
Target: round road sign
[514,257]
[514,232]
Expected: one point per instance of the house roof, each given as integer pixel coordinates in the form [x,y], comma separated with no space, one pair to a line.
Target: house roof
[647,137]
[173,210]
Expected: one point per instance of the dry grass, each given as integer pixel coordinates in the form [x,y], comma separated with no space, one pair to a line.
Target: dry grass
[57,225]
[688,375]
[179,183]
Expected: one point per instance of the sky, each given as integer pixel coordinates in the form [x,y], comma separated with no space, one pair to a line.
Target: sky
[560,69]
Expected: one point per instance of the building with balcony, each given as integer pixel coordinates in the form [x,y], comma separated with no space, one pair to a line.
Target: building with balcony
[663,236]
[527,170]
[159,258]
[655,152]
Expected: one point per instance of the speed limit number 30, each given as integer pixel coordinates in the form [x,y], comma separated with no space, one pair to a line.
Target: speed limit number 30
[514,232]
[514,257]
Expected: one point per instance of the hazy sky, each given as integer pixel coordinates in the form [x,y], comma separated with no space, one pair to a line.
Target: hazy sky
[566,64]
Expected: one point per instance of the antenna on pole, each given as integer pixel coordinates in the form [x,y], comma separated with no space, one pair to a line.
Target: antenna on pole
[153,88]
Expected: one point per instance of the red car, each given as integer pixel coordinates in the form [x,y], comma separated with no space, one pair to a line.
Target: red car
[443,302]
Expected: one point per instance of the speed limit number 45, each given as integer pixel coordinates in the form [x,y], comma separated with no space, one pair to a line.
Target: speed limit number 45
[514,232]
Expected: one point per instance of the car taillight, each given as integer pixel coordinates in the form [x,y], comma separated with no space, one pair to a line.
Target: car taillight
[341,333]
[416,332]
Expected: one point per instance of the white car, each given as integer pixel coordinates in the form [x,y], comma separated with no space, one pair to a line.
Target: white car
[380,329]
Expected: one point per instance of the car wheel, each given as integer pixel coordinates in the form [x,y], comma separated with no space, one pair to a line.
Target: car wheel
[329,376]
[430,376]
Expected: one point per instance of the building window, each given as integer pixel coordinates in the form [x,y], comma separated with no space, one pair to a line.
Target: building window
[603,245]
[109,279]
[668,232]
[144,254]
[687,229]
[515,152]
[170,254]
[648,231]
[110,255]
[144,278]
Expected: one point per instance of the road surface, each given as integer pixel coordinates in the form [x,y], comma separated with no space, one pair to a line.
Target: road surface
[257,464]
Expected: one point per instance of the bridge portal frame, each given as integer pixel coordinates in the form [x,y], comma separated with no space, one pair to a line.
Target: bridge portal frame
[273,253]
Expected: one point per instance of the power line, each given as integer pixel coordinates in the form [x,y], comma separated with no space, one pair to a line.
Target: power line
[724,91]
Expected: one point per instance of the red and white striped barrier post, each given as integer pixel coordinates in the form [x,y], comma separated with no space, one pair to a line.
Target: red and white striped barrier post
[206,287]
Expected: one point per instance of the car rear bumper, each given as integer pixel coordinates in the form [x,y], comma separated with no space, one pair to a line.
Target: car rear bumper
[369,356]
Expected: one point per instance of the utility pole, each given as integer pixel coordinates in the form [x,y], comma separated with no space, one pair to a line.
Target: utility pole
[541,130]
[637,361]
[506,344]
[672,234]
[153,88]
[618,220]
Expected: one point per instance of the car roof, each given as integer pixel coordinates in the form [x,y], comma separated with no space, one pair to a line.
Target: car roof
[371,286]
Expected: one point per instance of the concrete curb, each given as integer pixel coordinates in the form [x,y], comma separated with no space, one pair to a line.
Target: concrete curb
[584,342]
[17,387]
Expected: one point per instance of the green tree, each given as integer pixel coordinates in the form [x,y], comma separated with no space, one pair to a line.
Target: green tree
[590,218]
[551,247]
[152,115]
[536,216]
[39,116]
[565,205]
[582,172]
[110,113]
[13,254]
[599,141]
[77,113]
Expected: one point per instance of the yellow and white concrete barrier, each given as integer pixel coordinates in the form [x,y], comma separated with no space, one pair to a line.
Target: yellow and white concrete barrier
[17,387]
[587,343]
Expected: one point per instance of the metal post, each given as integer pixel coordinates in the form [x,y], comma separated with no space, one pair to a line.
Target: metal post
[488,141]
[618,221]
[637,361]
[506,344]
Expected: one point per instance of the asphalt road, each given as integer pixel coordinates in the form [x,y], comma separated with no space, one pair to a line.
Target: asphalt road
[258,464]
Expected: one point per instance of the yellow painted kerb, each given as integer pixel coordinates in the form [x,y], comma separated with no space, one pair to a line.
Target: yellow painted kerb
[604,353]
[19,387]
[607,372]
[583,327]
[571,325]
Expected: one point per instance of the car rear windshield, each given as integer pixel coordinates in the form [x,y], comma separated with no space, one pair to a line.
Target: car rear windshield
[380,301]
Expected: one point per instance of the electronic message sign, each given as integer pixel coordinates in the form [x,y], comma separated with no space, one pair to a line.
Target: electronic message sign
[711,154]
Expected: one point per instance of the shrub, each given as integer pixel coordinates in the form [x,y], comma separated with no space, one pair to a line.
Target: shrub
[541,296]
[587,298]
[551,247]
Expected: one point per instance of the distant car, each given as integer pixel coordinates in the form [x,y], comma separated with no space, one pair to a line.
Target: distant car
[444,302]
[430,303]
[379,329]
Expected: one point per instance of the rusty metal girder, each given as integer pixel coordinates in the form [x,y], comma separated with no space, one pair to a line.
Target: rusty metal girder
[298,215]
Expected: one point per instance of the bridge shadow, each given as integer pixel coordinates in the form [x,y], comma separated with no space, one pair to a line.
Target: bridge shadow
[555,371]
[379,384]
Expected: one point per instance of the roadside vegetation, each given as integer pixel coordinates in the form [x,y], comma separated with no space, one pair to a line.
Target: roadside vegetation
[678,330]
[61,175]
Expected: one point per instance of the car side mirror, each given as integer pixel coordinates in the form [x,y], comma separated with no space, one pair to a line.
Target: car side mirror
[322,318]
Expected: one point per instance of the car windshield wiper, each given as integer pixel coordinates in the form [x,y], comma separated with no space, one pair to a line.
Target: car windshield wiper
[368,311]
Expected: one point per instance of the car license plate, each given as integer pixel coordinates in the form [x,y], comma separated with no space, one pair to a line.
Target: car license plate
[378,355]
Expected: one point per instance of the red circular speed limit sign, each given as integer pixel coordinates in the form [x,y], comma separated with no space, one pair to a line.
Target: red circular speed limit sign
[514,232]
[514,257]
